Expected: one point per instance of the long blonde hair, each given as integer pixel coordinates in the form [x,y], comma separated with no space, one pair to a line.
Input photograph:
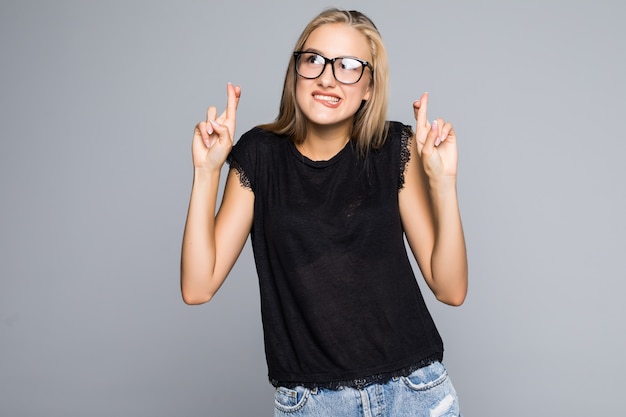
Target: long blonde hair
[369,126]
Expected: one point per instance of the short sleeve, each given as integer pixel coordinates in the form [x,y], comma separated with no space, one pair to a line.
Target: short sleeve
[242,158]
[400,135]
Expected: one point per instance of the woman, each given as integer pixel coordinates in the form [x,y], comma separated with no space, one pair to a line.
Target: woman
[327,192]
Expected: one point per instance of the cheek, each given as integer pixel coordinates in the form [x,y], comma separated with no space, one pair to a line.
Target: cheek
[360,93]
[299,93]
[367,89]
[368,93]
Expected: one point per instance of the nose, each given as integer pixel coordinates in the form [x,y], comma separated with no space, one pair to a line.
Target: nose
[327,78]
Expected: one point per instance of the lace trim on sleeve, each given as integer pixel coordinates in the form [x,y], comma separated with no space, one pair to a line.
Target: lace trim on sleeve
[405,152]
[243,178]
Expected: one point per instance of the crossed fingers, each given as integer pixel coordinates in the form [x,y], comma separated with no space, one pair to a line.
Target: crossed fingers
[429,135]
[228,116]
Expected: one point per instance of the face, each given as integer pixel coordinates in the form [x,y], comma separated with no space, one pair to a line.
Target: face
[323,100]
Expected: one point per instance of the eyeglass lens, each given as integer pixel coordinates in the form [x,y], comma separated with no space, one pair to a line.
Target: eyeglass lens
[346,70]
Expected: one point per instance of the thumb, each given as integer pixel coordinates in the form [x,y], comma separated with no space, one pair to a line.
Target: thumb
[220,129]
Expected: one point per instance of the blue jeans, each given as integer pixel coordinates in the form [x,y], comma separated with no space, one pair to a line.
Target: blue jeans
[427,392]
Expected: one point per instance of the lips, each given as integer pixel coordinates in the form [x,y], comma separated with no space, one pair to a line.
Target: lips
[329,100]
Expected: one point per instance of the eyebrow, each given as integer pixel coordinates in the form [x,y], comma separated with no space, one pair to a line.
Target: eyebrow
[315,51]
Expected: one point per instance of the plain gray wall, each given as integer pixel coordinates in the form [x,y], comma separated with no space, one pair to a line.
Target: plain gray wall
[98,103]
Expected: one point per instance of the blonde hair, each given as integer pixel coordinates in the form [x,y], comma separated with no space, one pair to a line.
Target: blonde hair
[369,126]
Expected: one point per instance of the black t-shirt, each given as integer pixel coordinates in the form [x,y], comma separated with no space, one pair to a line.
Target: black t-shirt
[340,303]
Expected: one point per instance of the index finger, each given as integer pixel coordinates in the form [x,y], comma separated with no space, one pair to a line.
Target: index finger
[421,111]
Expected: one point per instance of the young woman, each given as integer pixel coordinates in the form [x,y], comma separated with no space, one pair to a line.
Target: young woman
[328,191]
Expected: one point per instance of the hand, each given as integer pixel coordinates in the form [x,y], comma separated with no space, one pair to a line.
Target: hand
[436,143]
[213,138]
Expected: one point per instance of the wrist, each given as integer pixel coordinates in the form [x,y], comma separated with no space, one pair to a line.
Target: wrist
[443,194]
[442,185]
[205,175]
[205,172]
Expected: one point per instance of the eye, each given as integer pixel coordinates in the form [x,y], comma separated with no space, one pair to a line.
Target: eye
[350,64]
[315,59]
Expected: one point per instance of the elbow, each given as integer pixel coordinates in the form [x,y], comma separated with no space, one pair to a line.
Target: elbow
[452,290]
[194,289]
[194,298]
[454,301]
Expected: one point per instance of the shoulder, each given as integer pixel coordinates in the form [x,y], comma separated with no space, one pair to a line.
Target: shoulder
[258,137]
[256,143]
[256,151]
[398,131]
[397,138]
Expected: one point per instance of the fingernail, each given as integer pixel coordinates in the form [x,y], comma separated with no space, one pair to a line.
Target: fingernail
[209,129]
[433,125]
[437,141]
[214,123]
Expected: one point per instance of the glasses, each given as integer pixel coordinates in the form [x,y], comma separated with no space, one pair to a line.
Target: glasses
[346,69]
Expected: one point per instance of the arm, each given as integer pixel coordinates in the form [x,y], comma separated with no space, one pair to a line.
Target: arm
[429,208]
[212,243]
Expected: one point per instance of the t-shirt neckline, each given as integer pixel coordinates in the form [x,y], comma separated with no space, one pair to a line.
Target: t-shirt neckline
[323,163]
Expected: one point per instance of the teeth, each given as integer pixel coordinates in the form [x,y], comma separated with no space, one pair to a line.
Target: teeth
[326,98]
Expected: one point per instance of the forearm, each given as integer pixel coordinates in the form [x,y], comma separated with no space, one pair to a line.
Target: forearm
[198,250]
[449,257]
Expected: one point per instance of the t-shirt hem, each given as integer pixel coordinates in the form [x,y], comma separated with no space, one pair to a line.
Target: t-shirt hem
[328,382]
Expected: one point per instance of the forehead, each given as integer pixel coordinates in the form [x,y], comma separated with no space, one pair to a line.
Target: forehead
[338,39]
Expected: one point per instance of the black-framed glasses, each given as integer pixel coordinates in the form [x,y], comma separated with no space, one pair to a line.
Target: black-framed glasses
[346,69]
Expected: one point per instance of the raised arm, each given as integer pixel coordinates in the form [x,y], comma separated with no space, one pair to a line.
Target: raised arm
[212,243]
[429,207]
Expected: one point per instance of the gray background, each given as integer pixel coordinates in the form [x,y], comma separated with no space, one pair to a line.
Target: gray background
[97,104]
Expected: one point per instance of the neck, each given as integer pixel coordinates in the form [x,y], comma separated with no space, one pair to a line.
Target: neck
[324,142]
